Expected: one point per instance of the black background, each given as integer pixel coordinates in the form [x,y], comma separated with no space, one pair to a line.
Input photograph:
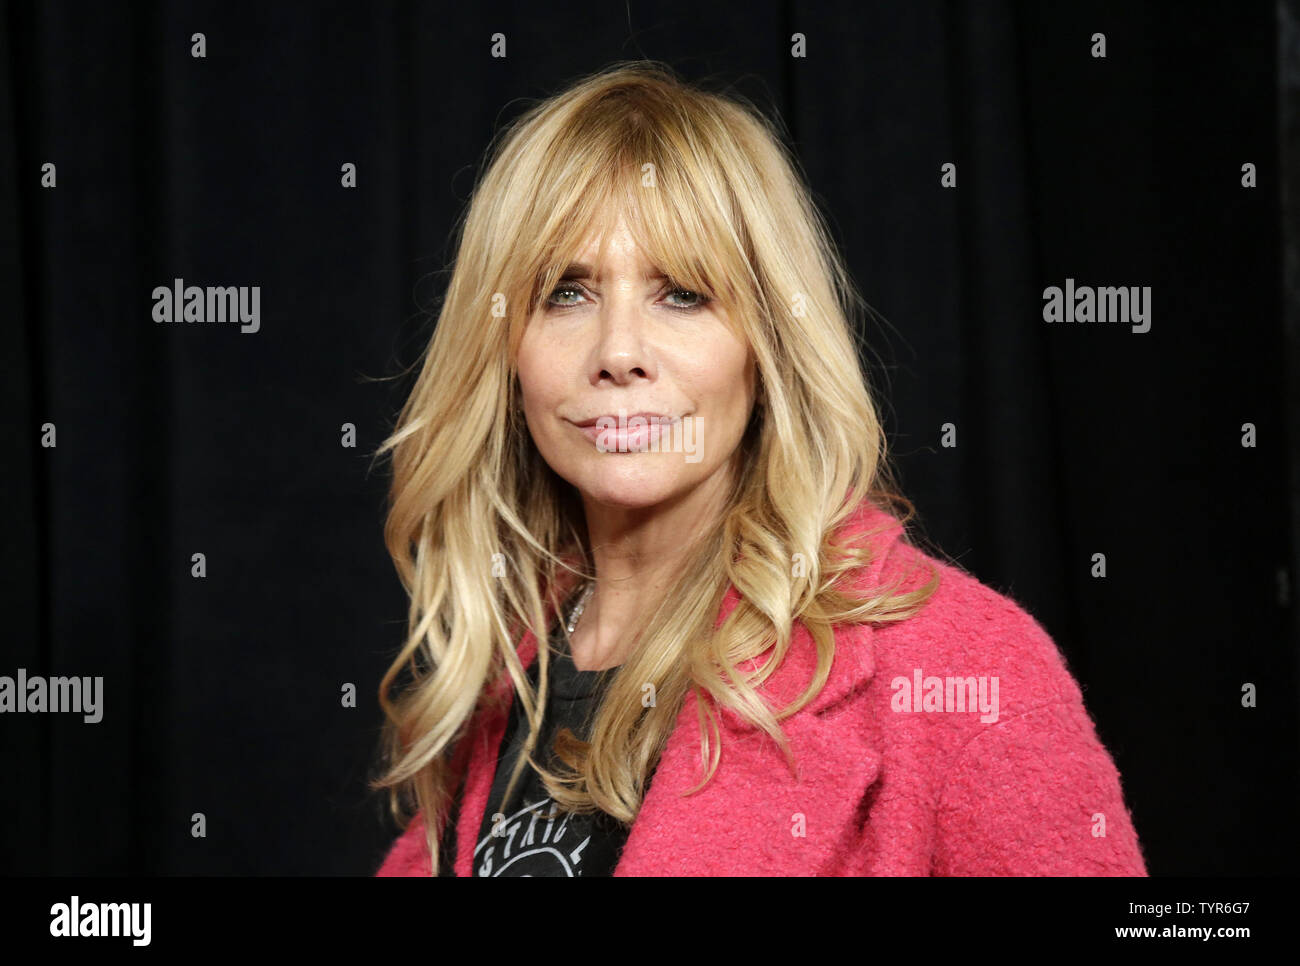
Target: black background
[222,695]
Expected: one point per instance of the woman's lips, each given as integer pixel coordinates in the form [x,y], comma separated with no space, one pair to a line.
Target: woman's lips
[632,434]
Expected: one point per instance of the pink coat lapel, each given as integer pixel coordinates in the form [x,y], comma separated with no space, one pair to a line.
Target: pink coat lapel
[753,817]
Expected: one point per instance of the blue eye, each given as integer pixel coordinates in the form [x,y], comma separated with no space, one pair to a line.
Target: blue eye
[566,287]
[699,298]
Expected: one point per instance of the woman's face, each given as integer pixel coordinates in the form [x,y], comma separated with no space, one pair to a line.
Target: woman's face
[613,339]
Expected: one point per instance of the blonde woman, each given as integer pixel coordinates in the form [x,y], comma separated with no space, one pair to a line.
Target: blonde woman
[665,617]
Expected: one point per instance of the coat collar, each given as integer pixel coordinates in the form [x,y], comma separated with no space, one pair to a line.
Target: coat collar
[753,817]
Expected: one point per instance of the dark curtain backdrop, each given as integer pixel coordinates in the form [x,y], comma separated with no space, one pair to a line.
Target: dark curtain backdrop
[222,694]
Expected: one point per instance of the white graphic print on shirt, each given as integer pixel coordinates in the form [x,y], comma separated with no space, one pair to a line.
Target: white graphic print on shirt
[538,833]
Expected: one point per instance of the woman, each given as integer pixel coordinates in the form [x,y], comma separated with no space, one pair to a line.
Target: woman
[726,569]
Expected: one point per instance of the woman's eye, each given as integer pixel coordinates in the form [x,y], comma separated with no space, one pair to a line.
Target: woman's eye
[560,291]
[696,297]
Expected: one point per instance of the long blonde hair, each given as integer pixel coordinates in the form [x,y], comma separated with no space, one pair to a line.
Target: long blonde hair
[488,540]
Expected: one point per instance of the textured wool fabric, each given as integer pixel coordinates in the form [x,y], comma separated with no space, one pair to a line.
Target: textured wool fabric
[893,779]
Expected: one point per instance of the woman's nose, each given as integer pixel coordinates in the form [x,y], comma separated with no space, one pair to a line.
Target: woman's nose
[622,352]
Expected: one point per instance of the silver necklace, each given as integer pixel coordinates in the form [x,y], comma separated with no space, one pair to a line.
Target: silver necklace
[581,606]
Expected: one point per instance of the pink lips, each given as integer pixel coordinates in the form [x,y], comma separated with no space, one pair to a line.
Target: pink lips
[609,433]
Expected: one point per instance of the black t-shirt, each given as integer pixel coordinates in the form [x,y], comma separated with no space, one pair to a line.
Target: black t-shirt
[536,838]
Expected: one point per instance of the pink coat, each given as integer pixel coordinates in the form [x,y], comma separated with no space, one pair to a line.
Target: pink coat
[903,772]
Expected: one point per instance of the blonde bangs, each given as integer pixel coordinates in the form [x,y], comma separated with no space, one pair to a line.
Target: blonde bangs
[601,174]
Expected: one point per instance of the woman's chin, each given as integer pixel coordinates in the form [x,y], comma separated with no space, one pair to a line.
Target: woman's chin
[629,488]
